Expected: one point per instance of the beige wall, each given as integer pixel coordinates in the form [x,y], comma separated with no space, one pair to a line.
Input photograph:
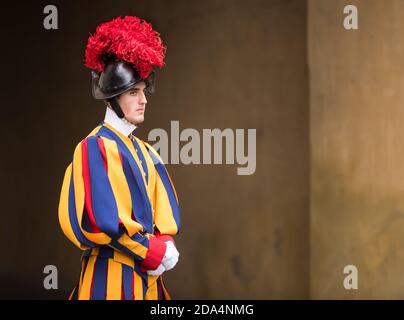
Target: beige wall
[357,168]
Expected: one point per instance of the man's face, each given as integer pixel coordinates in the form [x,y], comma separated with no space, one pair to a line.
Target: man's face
[133,103]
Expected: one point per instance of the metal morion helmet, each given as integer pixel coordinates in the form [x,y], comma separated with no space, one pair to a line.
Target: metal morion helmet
[121,54]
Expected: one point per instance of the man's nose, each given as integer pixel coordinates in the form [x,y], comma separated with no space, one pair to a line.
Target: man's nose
[143,99]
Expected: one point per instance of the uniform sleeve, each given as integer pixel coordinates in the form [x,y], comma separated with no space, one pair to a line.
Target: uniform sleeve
[166,205]
[95,204]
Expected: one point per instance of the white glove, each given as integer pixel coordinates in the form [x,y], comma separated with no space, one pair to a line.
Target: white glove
[157,272]
[170,257]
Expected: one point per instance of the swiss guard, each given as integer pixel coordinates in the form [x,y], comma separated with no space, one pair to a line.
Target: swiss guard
[118,203]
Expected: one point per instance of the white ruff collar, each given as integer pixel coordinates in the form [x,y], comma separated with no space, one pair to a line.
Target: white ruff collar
[121,125]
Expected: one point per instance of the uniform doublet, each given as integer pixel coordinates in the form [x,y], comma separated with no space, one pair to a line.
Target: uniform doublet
[119,205]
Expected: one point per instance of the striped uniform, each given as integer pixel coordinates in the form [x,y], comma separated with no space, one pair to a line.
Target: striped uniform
[119,205]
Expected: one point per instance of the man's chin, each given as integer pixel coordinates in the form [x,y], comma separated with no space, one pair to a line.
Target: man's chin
[137,121]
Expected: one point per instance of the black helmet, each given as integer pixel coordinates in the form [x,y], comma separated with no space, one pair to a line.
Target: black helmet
[117,78]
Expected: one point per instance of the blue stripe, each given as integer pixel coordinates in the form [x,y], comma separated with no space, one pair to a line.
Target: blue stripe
[73,217]
[122,248]
[142,209]
[84,268]
[106,252]
[145,282]
[85,221]
[159,289]
[100,279]
[144,241]
[142,159]
[75,293]
[143,275]
[127,281]
[86,253]
[161,169]
[102,197]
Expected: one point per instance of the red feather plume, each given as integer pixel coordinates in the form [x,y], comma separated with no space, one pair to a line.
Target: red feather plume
[129,39]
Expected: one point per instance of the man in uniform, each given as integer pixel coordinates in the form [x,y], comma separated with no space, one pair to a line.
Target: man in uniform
[118,202]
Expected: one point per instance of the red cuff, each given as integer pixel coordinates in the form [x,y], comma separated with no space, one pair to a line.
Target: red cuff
[154,255]
[165,237]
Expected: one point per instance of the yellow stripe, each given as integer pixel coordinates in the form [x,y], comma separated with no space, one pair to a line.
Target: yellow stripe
[165,292]
[71,294]
[151,293]
[163,215]
[114,280]
[81,273]
[79,193]
[149,162]
[94,131]
[154,151]
[133,246]
[158,156]
[124,258]
[138,285]
[164,218]
[151,183]
[63,210]
[132,150]
[78,183]
[172,185]
[120,187]
[84,293]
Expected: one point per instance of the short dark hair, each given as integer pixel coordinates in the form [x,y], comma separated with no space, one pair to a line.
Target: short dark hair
[150,83]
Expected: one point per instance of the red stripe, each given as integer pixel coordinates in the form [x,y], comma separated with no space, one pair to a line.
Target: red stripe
[87,188]
[103,152]
[120,157]
[106,282]
[133,285]
[122,284]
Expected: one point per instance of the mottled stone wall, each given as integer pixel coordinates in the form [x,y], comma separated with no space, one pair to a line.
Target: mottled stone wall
[356,130]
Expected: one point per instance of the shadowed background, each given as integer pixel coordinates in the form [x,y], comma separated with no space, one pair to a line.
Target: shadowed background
[230,64]
[326,190]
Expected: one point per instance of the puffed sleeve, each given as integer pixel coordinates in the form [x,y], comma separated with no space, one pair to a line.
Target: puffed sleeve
[95,205]
[166,205]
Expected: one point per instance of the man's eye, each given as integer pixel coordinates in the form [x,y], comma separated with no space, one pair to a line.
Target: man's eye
[133,93]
